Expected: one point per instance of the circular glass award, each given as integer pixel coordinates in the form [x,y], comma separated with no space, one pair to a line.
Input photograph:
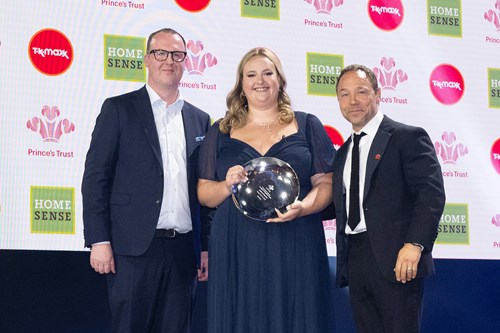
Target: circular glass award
[271,183]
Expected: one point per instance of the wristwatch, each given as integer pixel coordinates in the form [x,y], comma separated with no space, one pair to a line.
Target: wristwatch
[420,246]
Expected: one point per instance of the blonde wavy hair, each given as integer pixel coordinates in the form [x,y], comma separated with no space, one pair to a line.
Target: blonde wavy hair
[236,101]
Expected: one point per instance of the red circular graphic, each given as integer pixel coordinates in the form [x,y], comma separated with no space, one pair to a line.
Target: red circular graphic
[495,155]
[386,14]
[50,51]
[447,84]
[335,136]
[193,5]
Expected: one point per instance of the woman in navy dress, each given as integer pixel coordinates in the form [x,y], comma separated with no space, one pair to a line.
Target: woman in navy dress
[267,276]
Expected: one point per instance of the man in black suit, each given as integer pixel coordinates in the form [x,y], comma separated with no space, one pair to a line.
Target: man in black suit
[387,213]
[140,211]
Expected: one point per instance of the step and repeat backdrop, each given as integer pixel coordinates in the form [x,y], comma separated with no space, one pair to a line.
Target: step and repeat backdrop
[437,62]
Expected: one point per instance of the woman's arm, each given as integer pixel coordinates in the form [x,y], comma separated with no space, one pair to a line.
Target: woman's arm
[212,193]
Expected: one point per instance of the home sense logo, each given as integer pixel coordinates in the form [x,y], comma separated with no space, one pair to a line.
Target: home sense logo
[50,52]
[444,17]
[124,58]
[52,210]
[264,9]
[323,71]
[494,87]
[454,225]
[386,14]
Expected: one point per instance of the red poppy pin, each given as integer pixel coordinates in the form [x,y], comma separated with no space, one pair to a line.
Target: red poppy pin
[377,156]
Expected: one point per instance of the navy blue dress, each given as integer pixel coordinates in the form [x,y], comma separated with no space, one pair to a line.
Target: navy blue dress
[268,277]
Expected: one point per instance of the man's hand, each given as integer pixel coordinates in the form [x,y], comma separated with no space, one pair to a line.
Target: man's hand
[101,258]
[407,263]
[203,270]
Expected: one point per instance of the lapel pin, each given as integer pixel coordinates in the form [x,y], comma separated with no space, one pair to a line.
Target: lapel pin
[377,156]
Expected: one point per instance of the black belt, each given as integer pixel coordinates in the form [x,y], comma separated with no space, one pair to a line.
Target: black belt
[166,233]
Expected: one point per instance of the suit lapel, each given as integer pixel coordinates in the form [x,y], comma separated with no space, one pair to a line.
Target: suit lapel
[377,150]
[142,105]
[190,128]
[338,183]
[340,158]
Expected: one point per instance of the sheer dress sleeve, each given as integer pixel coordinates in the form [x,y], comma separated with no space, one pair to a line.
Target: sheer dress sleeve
[207,160]
[321,146]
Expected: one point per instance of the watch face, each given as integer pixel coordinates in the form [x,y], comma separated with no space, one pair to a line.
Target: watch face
[271,184]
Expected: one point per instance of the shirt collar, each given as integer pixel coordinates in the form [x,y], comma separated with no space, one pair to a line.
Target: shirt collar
[372,126]
[154,98]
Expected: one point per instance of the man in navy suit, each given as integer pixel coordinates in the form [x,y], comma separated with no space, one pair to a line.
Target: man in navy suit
[387,223]
[141,215]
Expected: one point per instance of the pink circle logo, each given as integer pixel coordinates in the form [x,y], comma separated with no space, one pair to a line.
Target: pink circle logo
[386,14]
[193,5]
[495,156]
[447,84]
[51,52]
[334,136]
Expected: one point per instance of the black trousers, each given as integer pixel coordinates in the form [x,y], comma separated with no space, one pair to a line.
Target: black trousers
[154,292]
[380,305]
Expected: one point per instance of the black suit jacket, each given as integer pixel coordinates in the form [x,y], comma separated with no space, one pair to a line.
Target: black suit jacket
[403,197]
[123,180]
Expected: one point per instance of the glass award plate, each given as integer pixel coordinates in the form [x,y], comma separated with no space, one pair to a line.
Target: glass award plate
[271,183]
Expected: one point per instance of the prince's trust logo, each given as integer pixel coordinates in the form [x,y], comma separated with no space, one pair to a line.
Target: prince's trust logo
[330,227]
[323,7]
[495,220]
[389,76]
[197,60]
[196,63]
[323,71]
[454,225]
[444,18]
[50,129]
[449,152]
[493,15]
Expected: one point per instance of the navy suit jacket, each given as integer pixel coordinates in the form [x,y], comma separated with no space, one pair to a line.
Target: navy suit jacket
[123,180]
[403,197]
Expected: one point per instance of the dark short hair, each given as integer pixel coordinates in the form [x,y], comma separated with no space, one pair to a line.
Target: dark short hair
[356,67]
[165,30]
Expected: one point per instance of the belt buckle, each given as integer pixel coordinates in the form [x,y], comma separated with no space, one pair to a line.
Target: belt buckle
[170,233]
[165,233]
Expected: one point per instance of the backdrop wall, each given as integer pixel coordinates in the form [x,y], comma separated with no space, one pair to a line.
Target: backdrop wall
[437,62]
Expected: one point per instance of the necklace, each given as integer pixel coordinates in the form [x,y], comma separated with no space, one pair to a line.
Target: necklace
[268,124]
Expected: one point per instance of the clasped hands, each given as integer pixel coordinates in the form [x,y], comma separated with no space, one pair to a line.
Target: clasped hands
[237,174]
